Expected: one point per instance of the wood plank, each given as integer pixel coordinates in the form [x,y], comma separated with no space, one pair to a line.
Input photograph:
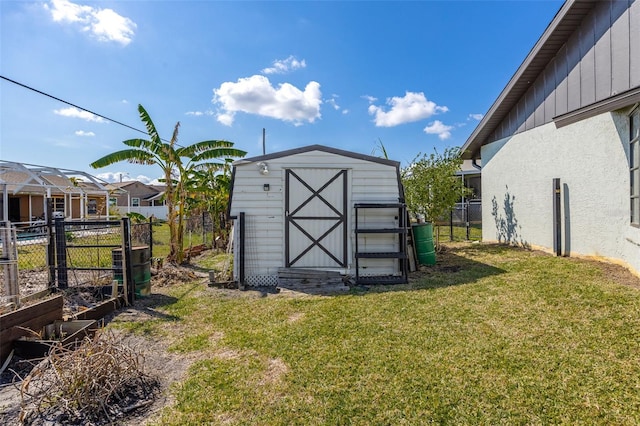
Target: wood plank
[101,310]
[23,315]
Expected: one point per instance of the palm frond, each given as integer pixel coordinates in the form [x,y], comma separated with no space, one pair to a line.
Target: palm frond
[174,136]
[207,168]
[151,128]
[135,156]
[218,153]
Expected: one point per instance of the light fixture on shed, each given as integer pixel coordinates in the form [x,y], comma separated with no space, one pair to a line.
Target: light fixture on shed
[263,168]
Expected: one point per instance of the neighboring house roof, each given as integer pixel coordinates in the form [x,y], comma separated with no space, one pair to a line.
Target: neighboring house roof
[321,148]
[563,26]
[23,178]
[154,197]
[157,190]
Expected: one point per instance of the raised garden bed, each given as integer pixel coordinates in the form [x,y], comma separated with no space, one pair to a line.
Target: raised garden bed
[66,333]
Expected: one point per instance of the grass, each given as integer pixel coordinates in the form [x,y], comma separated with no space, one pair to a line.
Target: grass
[492,335]
[161,239]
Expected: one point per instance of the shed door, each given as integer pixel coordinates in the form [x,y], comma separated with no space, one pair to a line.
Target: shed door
[315,218]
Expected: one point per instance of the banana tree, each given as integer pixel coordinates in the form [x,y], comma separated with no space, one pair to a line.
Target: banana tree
[169,156]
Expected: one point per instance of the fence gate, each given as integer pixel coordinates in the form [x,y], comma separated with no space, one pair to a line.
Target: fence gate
[90,254]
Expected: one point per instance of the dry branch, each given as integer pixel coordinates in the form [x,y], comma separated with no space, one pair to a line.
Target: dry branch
[96,382]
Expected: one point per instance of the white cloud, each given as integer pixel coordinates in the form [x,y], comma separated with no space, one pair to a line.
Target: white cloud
[256,95]
[282,66]
[412,107]
[104,24]
[199,113]
[113,176]
[438,128]
[147,180]
[83,133]
[126,177]
[332,101]
[369,99]
[476,117]
[76,113]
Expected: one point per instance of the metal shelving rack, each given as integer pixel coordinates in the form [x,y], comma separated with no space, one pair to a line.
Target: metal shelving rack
[401,250]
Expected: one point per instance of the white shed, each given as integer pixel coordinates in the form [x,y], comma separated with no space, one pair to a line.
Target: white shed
[302,209]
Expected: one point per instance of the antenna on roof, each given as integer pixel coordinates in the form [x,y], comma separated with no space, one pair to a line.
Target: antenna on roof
[264,146]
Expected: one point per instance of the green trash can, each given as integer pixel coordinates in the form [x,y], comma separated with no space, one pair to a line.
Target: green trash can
[140,269]
[423,240]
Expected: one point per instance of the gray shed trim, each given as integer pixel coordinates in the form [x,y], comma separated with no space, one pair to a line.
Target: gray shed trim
[322,148]
[570,39]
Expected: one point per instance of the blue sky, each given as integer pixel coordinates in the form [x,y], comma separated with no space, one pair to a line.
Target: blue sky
[414,75]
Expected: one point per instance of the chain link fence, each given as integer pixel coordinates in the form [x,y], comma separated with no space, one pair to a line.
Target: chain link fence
[205,228]
[84,252]
[463,224]
[71,254]
[32,250]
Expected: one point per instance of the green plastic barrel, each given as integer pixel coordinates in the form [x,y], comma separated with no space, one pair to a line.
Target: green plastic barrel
[423,240]
[140,269]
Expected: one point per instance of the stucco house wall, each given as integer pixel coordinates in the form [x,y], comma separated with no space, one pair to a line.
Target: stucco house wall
[565,114]
[591,160]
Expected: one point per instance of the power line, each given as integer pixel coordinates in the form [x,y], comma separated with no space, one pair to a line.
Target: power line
[74,105]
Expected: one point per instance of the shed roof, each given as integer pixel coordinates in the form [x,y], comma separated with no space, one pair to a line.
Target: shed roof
[563,25]
[321,148]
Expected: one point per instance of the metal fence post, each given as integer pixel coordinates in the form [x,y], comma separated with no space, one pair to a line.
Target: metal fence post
[61,254]
[451,225]
[242,242]
[151,236]
[127,277]
[466,216]
[51,247]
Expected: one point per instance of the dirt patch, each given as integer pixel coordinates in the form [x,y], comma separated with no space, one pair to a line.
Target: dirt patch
[158,363]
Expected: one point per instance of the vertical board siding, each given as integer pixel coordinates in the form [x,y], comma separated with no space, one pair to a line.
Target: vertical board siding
[602,53]
[620,35]
[562,88]
[634,45]
[600,59]
[549,99]
[587,63]
[573,78]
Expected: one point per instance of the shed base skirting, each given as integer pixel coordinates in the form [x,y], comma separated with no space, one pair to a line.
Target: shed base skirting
[310,279]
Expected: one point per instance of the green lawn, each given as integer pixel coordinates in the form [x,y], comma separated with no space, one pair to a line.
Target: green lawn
[491,335]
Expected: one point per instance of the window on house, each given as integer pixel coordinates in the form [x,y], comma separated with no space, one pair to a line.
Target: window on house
[58,204]
[135,202]
[113,201]
[92,206]
[634,165]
